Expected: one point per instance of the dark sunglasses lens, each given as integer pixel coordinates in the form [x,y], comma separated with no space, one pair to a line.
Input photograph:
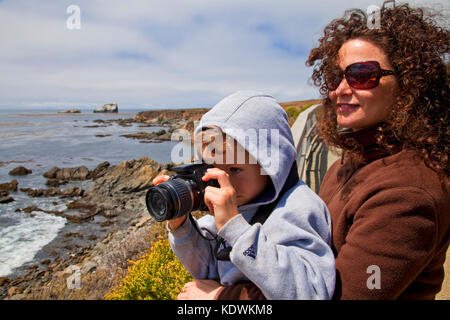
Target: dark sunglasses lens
[362,75]
[334,79]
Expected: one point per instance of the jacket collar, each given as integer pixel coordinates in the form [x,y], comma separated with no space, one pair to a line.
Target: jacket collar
[365,142]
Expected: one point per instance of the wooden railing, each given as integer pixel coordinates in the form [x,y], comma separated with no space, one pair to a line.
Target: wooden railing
[313,158]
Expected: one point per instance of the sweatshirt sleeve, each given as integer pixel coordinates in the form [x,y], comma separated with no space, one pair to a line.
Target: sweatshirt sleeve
[391,240]
[289,256]
[194,252]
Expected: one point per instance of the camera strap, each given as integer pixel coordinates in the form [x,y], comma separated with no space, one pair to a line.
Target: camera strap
[221,251]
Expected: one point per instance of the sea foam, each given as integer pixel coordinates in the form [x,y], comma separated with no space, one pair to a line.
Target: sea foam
[20,242]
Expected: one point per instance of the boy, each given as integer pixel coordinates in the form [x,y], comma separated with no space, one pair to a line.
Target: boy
[286,253]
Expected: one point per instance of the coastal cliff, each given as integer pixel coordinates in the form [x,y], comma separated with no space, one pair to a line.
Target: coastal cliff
[115,202]
[175,114]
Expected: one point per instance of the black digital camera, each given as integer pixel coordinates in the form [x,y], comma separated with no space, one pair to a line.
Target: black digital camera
[181,195]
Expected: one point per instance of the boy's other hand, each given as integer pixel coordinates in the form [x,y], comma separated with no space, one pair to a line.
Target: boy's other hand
[173,223]
[200,290]
[220,201]
[160,179]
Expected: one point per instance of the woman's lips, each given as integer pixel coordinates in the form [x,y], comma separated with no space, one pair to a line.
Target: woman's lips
[344,107]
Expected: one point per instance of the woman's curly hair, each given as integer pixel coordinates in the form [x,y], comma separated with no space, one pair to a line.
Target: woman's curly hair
[417,48]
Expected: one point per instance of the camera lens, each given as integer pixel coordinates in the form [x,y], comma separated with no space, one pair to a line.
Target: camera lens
[159,203]
[170,199]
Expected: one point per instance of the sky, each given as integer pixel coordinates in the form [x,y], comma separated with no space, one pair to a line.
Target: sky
[156,54]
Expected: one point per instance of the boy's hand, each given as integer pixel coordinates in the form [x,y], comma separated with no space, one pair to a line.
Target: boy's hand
[173,223]
[220,201]
[200,290]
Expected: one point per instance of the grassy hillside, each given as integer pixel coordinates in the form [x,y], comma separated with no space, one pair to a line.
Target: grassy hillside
[294,108]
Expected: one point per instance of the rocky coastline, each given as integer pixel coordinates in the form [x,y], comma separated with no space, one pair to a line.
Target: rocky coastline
[107,223]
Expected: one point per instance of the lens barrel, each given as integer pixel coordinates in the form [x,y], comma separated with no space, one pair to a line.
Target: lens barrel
[170,199]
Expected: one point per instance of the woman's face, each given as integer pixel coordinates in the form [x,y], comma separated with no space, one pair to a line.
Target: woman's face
[355,108]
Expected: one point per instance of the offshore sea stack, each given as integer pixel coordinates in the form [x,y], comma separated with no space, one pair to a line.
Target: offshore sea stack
[108,108]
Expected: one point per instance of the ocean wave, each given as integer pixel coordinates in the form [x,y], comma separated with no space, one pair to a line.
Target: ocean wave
[20,242]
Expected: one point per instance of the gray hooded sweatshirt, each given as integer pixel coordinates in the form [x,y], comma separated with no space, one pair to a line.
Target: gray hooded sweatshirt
[289,256]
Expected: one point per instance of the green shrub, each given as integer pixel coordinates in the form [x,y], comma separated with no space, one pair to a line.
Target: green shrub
[291,112]
[158,275]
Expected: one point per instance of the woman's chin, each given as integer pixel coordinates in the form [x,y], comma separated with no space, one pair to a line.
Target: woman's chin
[348,123]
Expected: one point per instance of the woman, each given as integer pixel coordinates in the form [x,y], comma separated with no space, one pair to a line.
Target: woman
[388,197]
[385,106]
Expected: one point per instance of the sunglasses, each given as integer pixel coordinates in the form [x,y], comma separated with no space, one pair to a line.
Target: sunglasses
[360,75]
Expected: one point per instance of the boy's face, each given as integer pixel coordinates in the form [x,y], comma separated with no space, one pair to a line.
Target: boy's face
[245,175]
[246,179]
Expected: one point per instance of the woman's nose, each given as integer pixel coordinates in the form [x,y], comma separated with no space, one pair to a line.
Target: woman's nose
[343,88]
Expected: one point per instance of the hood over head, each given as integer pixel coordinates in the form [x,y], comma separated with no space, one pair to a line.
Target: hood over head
[260,125]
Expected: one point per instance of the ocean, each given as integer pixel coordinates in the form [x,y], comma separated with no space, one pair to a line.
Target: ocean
[42,139]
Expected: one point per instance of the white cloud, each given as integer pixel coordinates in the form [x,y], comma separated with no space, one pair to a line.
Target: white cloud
[158,53]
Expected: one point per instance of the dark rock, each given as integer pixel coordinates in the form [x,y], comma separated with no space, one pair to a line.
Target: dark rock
[127,177]
[160,132]
[106,223]
[29,209]
[100,170]
[70,111]
[95,126]
[161,135]
[53,192]
[167,136]
[6,199]
[81,205]
[73,234]
[4,280]
[141,135]
[9,186]
[20,171]
[86,212]
[56,182]
[77,173]
[72,192]
[92,237]
[37,193]
[53,253]
[110,213]
[125,122]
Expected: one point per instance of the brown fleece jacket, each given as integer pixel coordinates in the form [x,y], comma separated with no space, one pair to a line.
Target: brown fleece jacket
[390,220]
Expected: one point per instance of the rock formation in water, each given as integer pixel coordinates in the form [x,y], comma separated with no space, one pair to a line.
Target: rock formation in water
[108,108]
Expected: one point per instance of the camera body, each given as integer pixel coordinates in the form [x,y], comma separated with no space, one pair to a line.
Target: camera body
[181,195]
